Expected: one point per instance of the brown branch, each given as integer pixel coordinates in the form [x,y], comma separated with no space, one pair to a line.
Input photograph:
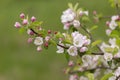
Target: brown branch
[77,71]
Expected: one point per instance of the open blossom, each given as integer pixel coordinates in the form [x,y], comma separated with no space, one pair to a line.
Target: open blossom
[112,78]
[115,17]
[60,49]
[38,41]
[113,25]
[76,23]
[117,72]
[72,51]
[108,56]
[68,16]
[108,31]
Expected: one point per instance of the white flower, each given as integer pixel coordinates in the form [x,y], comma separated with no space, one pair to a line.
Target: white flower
[72,51]
[38,41]
[87,42]
[73,77]
[83,78]
[76,23]
[84,12]
[112,78]
[47,38]
[60,49]
[108,32]
[113,25]
[68,16]
[75,33]
[117,72]
[112,41]
[115,17]
[78,40]
[108,56]
[104,46]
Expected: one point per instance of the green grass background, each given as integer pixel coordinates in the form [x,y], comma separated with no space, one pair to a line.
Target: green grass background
[21,61]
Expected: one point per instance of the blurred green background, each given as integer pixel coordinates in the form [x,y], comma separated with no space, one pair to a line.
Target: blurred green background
[21,61]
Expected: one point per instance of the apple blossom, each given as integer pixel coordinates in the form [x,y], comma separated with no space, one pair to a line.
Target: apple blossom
[83,49]
[30,32]
[108,31]
[108,56]
[22,15]
[30,40]
[17,25]
[72,51]
[76,23]
[38,41]
[39,48]
[117,72]
[33,19]
[25,22]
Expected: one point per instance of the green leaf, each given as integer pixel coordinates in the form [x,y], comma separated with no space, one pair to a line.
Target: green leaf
[115,33]
[67,56]
[70,5]
[89,75]
[95,43]
[93,27]
[118,42]
[22,30]
[53,42]
[76,6]
[85,19]
[106,76]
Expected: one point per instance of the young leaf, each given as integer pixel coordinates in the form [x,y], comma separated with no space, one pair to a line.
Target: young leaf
[67,56]
[105,77]
[90,76]
[70,5]
[93,28]
[96,43]
[76,6]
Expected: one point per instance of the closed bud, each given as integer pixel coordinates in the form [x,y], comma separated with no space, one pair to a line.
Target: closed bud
[30,40]
[33,19]
[30,32]
[49,31]
[94,13]
[17,25]
[70,63]
[39,48]
[25,22]
[46,44]
[22,15]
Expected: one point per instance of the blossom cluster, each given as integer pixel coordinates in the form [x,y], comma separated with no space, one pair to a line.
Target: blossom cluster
[87,58]
[71,18]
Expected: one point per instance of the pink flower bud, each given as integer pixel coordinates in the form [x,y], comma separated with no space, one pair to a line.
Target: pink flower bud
[17,25]
[46,44]
[70,63]
[22,15]
[49,31]
[47,38]
[83,49]
[39,48]
[30,32]
[94,12]
[107,23]
[25,22]
[33,19]
[30,40]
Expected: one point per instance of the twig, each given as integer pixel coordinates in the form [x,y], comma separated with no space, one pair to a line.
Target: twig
[85,69]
